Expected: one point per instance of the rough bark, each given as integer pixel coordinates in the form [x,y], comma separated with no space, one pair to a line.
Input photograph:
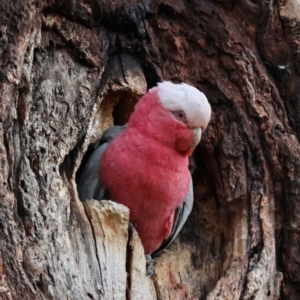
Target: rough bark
[71,68]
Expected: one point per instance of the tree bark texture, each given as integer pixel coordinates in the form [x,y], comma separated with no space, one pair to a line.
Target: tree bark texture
[72,68]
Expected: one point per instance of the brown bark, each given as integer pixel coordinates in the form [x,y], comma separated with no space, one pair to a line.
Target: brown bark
[70,69]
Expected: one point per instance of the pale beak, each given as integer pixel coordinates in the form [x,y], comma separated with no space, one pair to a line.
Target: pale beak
[197,137]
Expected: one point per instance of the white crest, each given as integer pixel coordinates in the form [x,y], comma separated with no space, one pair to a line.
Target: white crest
[175,97]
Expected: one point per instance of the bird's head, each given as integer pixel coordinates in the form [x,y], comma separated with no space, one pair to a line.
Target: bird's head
[173,114]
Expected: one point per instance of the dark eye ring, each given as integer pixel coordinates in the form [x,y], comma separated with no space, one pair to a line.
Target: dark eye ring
[180,115]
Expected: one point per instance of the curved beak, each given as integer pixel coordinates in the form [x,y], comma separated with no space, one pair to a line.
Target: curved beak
[197,137]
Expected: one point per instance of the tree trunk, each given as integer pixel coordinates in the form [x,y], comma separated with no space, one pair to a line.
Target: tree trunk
[72,68]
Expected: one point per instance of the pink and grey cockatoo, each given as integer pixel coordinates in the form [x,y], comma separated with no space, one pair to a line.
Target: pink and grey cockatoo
[144,165]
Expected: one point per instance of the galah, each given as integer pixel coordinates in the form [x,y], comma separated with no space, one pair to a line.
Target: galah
[144,165]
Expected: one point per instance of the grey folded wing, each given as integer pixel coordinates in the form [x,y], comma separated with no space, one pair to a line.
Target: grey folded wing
[181,215]
[88,183]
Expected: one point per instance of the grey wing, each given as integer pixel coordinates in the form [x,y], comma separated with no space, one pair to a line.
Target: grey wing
[181,215]
[88,183]
[111,133]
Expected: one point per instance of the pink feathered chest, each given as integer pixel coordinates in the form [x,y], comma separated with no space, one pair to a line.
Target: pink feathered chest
[151,181]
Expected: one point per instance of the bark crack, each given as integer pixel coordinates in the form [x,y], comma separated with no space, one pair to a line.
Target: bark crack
[95,241]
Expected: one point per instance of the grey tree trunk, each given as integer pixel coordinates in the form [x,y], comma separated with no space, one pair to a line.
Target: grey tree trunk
[72,68]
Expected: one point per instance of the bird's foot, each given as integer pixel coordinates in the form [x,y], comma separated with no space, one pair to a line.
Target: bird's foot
[149,265]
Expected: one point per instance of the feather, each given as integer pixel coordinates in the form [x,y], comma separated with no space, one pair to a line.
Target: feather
[88,183]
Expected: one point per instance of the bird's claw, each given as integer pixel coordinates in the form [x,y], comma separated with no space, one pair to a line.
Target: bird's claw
[149,265]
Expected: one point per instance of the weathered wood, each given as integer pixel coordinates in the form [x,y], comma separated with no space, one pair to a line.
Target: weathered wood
[109,222]
[140,286]
[70,69]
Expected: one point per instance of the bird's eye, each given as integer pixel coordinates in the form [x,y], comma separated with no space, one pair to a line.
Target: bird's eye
[180,115]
